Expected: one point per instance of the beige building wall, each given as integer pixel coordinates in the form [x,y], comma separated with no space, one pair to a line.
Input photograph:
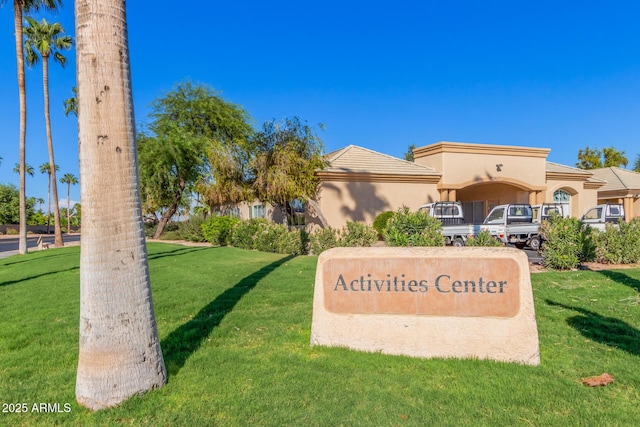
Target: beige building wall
[463,164]
[583,195]
[345,200]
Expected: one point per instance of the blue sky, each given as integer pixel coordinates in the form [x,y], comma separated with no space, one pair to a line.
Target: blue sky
[556,74]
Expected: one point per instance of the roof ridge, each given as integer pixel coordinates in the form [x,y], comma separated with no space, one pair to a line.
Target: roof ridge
[341,152]
[623,181]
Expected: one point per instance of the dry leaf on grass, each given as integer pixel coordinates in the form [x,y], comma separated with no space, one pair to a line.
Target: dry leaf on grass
[604,379]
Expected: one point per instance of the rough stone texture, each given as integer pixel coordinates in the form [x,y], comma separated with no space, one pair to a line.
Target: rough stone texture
[397,316]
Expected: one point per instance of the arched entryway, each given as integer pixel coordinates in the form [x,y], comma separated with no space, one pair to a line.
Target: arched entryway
[479,198]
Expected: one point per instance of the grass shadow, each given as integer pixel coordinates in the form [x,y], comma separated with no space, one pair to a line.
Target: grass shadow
[186,339]
[13,282]
[606,330]
[175,252]
[622,278]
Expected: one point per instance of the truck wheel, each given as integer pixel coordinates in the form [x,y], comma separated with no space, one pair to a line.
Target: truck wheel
[534,244]
[458,242]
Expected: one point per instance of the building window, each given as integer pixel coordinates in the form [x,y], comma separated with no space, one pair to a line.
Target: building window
[259,211]
[561,196]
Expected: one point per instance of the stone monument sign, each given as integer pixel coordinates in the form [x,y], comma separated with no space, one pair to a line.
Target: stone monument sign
[427,302]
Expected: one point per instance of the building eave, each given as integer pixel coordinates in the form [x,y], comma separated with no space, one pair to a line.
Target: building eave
[372,177]
[470,148]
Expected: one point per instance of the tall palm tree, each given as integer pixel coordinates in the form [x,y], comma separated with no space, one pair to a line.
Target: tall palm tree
[19,8]
[69,179]
[119,349]
[46,168]
[71,104]
[46,40]
[28,169]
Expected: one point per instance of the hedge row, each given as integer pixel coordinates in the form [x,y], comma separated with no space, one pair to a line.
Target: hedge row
[262,235]
[568,242]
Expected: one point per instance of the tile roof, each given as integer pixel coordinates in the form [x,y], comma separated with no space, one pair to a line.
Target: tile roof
[618,179]
[354,159]
[557,167]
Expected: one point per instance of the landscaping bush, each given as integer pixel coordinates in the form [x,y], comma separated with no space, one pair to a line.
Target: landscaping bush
[566,243]
[244,233]
[322,239]
[217,229]
[618,245]
[191,229]
[408,228]
[358,234]
[484,238]
[278,239]
[150,228]
[380,223]
[354,234]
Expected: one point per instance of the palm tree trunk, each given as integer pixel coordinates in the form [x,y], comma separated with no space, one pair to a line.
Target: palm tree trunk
[119,349]
[68,207]
[52,165]
[49,202]
[22,88]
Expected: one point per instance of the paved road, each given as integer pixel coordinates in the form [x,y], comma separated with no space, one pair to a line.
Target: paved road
[9,245]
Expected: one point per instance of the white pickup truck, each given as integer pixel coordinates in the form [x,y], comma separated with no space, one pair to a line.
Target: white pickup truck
[513,224]
[544,211]
[450,214]
[599,216]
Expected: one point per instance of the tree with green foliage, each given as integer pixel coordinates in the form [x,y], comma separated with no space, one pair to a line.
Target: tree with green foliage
[10,205]
[69,179]
[186,124]
[614,158]
[408,155]
[47,40]
[636,164]
[71,104]
[589,158]
[20,7]
[28,169]
[286,158]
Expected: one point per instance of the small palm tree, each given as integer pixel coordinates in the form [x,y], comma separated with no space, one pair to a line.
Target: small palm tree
[46,168]
[70,180]
[46,40]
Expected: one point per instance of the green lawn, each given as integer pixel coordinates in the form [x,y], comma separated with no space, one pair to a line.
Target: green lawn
[235,331]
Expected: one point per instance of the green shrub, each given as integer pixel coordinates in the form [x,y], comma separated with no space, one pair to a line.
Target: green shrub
[484,238]
[358,234]
[380,223]
[217,229]
[150,228]
[408,228]
[244,234]
[191,229]
[322,239]
[619,245]
[277,238]
[566,244]
[170,235]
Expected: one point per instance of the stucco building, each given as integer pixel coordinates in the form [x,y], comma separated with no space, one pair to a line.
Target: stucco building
[359,183]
